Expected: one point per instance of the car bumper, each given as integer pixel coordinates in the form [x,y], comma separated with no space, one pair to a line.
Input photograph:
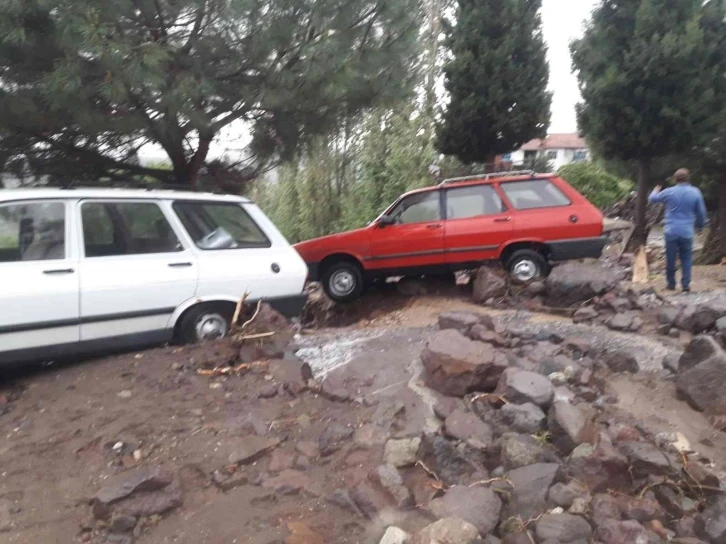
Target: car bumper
[313,271]
[580,248]
[291,306]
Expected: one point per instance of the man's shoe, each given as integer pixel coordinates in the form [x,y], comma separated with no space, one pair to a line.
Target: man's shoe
[670,288]
[686,289]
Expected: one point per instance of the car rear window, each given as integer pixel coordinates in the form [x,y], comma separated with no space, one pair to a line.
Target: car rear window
[534,194]
[220,225]
[32,231]
[467,202]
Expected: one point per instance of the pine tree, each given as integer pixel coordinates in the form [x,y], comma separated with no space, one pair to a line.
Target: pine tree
[649,79]
[497,80]
[85,84]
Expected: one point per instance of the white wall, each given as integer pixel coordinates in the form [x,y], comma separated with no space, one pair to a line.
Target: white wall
[564,156]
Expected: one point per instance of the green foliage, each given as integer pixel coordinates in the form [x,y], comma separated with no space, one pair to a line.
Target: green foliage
[85,84]
[647,76]
[592,180]
[497,80]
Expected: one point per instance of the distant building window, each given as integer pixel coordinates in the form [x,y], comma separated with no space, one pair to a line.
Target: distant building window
[507,157]
[552,155]
[530,155]
[580,156]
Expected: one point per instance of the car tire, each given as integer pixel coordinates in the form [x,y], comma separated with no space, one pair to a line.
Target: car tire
[527,265]
[343,281]
[204,323]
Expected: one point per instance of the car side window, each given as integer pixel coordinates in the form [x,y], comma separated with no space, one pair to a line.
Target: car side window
[476,201]
[32,231]
[126,228]
[418,208]
[220,225]
[530,195]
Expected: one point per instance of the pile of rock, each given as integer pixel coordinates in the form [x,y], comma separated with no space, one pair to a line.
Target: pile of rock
[527,453]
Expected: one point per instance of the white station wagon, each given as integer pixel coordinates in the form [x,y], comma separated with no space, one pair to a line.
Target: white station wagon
[85,270]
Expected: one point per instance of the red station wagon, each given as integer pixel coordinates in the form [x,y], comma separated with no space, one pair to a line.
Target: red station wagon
[523,219]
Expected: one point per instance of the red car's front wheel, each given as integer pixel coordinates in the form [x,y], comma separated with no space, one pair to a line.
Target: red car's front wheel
[343,281]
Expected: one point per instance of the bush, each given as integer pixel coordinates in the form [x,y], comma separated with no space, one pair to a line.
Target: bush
[600,187]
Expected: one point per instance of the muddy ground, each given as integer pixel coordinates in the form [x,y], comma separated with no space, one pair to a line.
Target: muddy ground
[68,428]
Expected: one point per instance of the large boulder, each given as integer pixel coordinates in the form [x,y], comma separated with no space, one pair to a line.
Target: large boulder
[702,347]
[489,283]
[528,491]
[522,387]
[645,459]
[707,313]
[451,465]
[456,365]
[447,531]
[460,321]
[521,450]
[619,532]
[703,385]
[571,425]
[600,469]
[522,418]
[478,505]
[571,283]
[710,525]
[467,426]
[563,528]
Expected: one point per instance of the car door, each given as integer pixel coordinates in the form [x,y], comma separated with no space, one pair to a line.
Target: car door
[415,242]
[477,224]
[39,287]
[134,271]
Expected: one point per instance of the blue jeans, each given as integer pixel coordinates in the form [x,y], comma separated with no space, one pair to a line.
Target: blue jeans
[678,246]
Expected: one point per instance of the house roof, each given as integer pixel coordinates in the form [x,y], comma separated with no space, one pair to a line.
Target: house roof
[556,141]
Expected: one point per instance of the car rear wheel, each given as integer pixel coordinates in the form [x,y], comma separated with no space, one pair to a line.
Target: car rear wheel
[527,265]
[343,281]
[205,322]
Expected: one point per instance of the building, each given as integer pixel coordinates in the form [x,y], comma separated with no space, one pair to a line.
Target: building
[560,149]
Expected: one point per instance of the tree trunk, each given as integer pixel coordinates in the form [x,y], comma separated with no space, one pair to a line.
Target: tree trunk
[640,234]
[714,249]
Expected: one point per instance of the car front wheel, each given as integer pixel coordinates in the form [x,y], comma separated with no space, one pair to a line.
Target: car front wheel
[526,265]
[343,282]
[204,323]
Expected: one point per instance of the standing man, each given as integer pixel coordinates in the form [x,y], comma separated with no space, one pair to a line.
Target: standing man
[684,209]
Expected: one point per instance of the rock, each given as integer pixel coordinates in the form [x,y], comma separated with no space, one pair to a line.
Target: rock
[280,460]
[118,538]
[571,425]
[122,523]
[700,349]
[703,385]
[668,315]
[343,499]
[687,540]
[447,531]
[671,501]
[301,533]
[333,391]
[445,406]
[579,347]
[621,322]
[523,418]
[390,479]
[706,314]
[571,283]
[489,283]
[332,438]
[522,387]
[294,374]
[604,507]
[583,315]
[565,494]
[685,527]
[622,532]
[143,479]
[600,469]
[645,459]
[558,363]
[456,365]
[721,324]
[620,305]
[291,482]
[402,452]
[226,481]
[477,505]
[621,360]
[267,391]
[684,321]
[467,426]
[151,503]
[480,333]
[459,321]
[710,525]
[307,448]
[563,528]
[444,459]
[671,362]
[251,448]
[394,535]
[703,475]
[642,510]
[529,489]
[521,450]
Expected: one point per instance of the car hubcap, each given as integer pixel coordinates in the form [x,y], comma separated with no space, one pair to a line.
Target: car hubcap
[342,283]
[211,327]
[524,271]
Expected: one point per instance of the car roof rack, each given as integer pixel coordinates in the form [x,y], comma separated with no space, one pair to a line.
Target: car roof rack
[490,175]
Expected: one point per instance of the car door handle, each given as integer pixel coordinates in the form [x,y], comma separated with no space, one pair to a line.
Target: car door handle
[180,265]
[503,220]
[437,226]
[59,271]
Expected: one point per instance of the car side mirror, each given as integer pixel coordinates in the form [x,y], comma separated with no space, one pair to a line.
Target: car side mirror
[386,221]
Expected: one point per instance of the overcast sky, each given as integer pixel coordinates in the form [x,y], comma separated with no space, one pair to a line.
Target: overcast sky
[563,21]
